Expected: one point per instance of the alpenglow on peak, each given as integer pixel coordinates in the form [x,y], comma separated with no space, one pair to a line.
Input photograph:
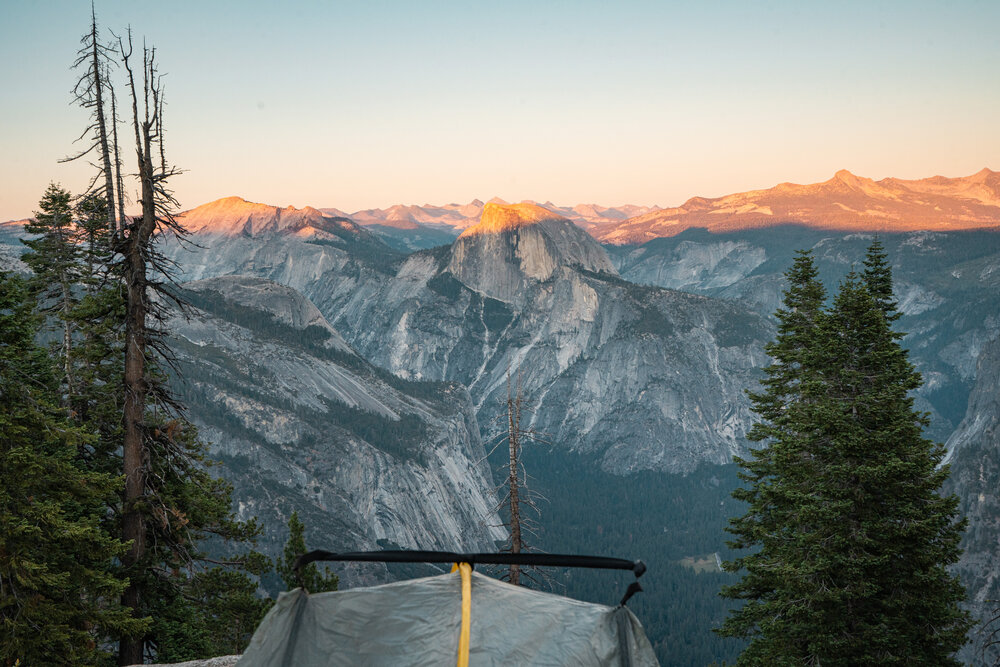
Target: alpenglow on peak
[497,218]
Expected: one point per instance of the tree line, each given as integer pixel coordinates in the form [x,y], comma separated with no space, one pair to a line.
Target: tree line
[111,521]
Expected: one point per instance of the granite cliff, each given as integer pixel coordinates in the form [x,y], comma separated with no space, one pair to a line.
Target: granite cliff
[641,377]
[302,423]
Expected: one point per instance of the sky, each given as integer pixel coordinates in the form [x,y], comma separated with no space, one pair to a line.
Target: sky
[366,104]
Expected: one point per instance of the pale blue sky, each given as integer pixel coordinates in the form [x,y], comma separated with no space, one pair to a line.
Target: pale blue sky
[365,104]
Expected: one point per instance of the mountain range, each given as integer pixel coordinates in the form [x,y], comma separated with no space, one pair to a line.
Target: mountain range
[522,289]
[353,366]
[844,203]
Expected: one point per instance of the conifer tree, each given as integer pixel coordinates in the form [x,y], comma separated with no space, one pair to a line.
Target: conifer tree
[878,281]
[853,538]
[308,577]
[54,261]
[57,593]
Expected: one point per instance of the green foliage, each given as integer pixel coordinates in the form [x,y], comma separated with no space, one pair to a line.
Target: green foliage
[308,577]
[447,285]
[199,607]
[54,254]
[190,606]
[851,539]
[214,612]
[658,517]
[56,584]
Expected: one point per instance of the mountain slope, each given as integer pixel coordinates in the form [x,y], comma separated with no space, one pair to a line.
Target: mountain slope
[845,203]
[514,245]
[304,424]
[947,285]
[641,377]
[975,477]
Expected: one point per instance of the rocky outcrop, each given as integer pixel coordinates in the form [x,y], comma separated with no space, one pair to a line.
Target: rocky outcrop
[221,661]
[305,425]
[974,452]
[514,246]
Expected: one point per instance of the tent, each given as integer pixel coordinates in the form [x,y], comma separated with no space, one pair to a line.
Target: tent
[462,618]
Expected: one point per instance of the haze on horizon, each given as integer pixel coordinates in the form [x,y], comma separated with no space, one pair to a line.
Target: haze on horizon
[366,105]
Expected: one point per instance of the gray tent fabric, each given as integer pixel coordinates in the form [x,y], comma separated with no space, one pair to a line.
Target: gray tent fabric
[417,622]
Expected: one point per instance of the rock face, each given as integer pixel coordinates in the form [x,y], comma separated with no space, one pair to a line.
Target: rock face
[641,378]
[845,203]
[304,424]
[516,245]
[11,247]
[947,287]
[975,476]
[221,661]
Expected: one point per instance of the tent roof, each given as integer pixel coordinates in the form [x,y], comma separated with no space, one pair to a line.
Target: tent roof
[416,622]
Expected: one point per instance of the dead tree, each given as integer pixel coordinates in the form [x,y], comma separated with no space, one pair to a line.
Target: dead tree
[142,270]
[518,496]
[94,58]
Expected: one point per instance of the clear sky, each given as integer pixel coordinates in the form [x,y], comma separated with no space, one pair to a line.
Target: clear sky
[365,104]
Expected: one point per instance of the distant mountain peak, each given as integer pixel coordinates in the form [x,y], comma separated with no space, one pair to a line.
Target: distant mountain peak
[498,218]
[846,176]
[232,216]
[514,246]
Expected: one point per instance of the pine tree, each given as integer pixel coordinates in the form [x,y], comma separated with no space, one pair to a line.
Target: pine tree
[853,538]
[56,589]
[54,261]
[308,577]
[779,475]
[878,281]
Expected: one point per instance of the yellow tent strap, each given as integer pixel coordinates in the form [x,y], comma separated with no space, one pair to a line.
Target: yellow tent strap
[465,570]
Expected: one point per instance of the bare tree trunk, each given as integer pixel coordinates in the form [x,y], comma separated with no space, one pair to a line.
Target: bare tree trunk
[134,264]
[89,91]
[67,338]
[99,83]
[513,434]
[118,164]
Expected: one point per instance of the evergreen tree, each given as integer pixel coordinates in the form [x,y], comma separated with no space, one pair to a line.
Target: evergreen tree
[56,590]
[878,281]
[779,474]
[54,261]
[853,539]
[308,577]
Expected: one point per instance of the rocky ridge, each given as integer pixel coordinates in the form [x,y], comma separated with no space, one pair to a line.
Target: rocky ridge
[233,215]
[457,217]
[845,202]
